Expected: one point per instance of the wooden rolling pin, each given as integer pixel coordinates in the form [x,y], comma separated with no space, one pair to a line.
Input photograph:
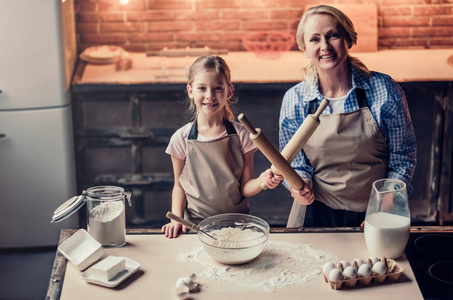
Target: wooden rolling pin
[272,154]
[300,138]
[297,214]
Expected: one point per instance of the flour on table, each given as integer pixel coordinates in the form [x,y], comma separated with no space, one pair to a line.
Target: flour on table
[280,264]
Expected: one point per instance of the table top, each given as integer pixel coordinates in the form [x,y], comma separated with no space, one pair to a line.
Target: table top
[408,65]
[160,268]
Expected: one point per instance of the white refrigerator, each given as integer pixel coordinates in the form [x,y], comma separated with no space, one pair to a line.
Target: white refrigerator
[37,169]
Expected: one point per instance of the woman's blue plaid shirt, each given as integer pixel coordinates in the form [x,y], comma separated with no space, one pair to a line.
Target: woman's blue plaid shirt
[388,105]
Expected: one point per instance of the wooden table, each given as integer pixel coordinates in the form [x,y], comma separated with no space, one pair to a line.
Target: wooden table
[59,271]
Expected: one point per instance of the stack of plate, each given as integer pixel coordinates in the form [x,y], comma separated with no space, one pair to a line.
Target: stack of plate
[104,54]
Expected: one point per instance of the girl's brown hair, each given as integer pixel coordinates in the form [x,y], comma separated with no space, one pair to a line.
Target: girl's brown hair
[344,25]
[203,64]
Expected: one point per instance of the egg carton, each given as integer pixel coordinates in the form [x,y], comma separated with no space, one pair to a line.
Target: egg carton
[394,272]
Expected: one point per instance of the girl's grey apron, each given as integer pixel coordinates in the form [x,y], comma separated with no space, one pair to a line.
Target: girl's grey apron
[211,177]
[348,153]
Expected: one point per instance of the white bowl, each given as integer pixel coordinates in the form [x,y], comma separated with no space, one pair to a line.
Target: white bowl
[81,249]
[240,237]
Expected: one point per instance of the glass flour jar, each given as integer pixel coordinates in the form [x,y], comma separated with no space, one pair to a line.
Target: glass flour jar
[106,213]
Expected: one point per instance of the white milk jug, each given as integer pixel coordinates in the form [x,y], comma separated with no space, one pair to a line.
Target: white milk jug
[387,221]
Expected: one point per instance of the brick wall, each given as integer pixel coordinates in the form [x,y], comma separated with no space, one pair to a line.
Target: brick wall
[143,25]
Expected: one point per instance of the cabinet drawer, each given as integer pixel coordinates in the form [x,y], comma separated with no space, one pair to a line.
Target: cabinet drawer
[163,112]
[111,113]
[101,111]
[98,161]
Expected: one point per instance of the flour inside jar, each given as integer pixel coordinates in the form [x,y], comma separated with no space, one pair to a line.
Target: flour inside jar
[107,223]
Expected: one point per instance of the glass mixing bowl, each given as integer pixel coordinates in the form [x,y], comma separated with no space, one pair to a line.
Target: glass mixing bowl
[240,237]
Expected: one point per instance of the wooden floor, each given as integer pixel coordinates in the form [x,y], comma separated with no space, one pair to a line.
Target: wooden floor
[25,273]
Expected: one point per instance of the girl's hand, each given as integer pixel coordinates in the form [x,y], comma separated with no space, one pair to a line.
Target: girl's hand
[305,196]
[270,179]
[171,229]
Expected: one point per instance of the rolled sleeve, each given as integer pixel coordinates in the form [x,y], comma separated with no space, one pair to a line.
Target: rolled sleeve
[401,138]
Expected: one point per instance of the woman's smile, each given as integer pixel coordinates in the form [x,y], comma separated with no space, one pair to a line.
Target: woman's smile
[328,56]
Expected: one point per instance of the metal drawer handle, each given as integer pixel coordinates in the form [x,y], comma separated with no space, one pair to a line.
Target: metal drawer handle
[135,182]
[2,135]
[135,135]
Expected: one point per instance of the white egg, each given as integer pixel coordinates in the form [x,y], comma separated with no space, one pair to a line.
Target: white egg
[364,270]
[328,267]
[374,260]
[187,281]
[379,268]
[180,282]
[182,292]
[345,263]
[350,273]
[335,275]
[359,262]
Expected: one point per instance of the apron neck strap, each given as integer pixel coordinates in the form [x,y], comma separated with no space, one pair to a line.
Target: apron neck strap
[361,97]
[193,134]
[361,101]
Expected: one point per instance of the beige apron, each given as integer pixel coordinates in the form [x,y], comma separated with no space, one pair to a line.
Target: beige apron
[348,153]
[211,177]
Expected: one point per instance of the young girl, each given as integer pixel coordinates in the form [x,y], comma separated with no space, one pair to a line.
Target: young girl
[212,156]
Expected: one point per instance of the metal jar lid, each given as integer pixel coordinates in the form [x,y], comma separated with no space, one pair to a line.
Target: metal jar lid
[68,208]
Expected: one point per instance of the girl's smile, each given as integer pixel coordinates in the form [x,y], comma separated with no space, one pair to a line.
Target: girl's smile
[211,105]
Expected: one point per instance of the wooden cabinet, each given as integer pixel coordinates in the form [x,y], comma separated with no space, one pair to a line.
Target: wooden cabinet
[122,131]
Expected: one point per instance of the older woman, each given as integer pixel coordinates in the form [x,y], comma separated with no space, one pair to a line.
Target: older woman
[365,133]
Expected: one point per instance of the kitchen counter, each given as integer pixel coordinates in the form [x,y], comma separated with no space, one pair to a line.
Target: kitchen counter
[160,269]
[403,65]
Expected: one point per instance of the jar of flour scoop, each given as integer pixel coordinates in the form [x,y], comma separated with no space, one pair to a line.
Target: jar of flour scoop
[106,213]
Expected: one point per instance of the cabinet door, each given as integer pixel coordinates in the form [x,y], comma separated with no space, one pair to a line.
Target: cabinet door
[121,138]
[427,114]
[446,179]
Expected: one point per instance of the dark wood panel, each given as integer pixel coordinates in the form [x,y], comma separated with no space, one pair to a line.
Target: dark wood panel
[122,131]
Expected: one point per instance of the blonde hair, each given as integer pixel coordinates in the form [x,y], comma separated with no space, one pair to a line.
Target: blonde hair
[218,64]
[345,26]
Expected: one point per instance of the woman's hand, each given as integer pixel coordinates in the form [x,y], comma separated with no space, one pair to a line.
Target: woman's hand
[304,196]
[171,229]
[270,179]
